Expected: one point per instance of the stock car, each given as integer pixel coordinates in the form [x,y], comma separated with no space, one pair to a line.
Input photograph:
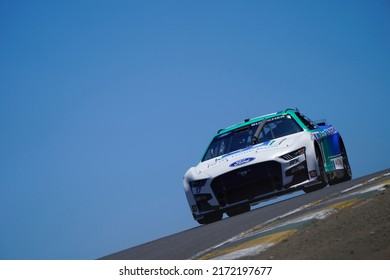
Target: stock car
[264,157]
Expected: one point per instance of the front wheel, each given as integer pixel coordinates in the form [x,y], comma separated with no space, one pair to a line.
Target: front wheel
[347,172]
[323,177]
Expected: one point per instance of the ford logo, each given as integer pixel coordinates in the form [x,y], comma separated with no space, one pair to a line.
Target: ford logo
[242,161]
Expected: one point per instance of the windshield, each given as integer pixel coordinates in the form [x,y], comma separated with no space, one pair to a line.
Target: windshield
[243,137]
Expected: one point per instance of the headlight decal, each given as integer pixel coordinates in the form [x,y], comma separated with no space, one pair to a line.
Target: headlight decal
[294,154]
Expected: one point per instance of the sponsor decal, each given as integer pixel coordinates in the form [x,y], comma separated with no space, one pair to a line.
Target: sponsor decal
[265,145]
[242,161]
[239,152]
[324,133]
[337,163]
[272,119]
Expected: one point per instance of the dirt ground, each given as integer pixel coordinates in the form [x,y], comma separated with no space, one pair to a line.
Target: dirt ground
[360,232]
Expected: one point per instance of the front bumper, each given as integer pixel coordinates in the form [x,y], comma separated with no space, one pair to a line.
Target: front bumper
[249,184]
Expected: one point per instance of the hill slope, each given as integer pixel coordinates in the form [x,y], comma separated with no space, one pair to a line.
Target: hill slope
[361,231]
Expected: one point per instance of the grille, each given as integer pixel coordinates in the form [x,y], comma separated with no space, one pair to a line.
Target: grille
[247,182]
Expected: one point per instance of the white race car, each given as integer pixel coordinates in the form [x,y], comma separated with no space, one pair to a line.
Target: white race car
[264,157]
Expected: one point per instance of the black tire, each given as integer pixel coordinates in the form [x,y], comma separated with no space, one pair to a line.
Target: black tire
[347,172]
[347,166]
[210,218]
[238,210]
[322,176]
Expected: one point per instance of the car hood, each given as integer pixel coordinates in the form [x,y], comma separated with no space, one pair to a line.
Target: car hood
[257,153]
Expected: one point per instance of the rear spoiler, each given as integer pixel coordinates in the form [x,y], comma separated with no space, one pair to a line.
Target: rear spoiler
[321,122]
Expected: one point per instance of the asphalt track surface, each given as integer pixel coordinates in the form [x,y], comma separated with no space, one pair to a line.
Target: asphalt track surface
[186,244]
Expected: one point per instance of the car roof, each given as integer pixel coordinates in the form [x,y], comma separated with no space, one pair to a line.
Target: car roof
[256,119]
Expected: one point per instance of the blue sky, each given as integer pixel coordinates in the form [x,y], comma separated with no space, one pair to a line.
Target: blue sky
[105,104]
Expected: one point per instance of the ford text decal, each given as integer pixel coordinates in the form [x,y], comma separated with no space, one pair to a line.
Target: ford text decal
[242,161]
